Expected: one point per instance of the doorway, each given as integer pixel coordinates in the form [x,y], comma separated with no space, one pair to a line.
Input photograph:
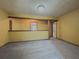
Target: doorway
[54,29]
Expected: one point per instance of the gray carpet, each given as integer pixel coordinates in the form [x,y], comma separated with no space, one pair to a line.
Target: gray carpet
[43,49]
[30,50]
[68,51]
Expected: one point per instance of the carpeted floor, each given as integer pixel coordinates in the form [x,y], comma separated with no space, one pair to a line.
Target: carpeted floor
[43,49]
[68,51]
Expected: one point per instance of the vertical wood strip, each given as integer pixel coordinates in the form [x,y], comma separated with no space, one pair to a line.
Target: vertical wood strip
[10,24]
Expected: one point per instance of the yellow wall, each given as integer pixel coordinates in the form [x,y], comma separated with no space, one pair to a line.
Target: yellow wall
[19,24]
[68,27]
[25,36]
[3,28]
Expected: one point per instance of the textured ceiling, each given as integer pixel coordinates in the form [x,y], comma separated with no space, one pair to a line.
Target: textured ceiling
[53,8]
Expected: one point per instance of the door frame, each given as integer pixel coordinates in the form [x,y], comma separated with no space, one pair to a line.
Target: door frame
[50,28]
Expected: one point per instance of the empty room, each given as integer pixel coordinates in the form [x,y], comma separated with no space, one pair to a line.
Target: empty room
[39,29]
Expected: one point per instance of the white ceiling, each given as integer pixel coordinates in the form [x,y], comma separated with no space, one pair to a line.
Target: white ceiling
[53,8]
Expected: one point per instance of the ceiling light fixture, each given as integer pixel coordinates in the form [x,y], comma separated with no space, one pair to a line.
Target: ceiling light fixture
[41,8]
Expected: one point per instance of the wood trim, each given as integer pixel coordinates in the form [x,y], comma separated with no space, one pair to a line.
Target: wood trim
[56,29]
[55,20]
[10,24]
[27,18]
[50,29]
[25,30]
[69,42]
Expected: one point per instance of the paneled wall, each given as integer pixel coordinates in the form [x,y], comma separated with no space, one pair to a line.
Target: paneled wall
[21,30]
[26,24]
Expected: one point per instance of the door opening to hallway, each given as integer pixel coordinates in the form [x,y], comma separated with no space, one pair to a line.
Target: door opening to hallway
[52,29]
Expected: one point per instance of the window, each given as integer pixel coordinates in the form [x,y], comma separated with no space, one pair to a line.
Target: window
[33,26]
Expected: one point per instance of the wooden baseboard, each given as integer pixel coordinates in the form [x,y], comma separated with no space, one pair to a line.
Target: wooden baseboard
[68,42]
[28,41]
[4,45]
